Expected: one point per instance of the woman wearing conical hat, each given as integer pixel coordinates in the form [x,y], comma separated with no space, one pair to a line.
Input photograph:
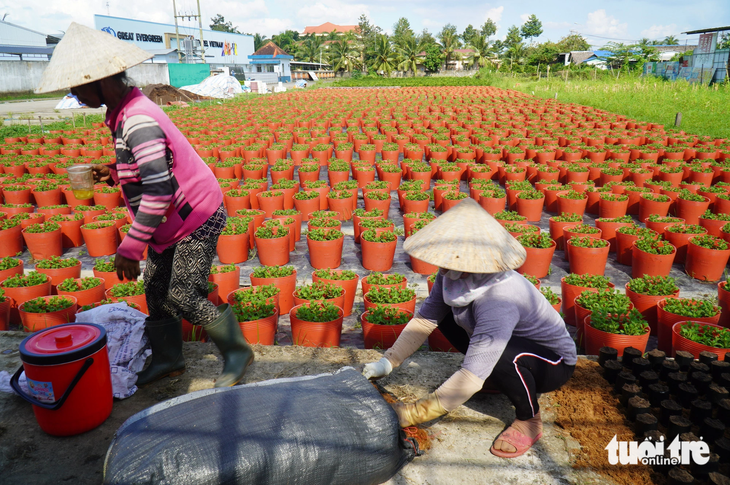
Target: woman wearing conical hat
[173,197]
[508,331]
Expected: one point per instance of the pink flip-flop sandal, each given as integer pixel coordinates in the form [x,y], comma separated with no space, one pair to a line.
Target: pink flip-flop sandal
[521,443]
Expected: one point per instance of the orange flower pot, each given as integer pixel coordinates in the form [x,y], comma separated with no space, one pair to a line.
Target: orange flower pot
[595,339]
[378,336]
[233,248]
[286,285]
[647,305]
[538,261]
[32,322]
[88,296]
[325,254]
[262,331]
[665,322]
[587,260]
[315,334]
[377,256]
[350,287]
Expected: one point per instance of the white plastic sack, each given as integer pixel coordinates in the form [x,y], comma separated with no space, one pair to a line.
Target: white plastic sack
[220,86]
[126,342]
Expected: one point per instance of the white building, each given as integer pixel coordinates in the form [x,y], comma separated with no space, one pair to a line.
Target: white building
[20,43]
[222,48]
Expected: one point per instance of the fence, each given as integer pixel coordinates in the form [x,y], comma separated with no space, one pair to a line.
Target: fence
[697,68]
[187,74]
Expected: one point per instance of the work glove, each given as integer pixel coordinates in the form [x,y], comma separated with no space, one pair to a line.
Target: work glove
[423,410]
[376,370]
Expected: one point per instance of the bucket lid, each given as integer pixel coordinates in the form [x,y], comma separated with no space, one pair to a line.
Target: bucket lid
[63,343]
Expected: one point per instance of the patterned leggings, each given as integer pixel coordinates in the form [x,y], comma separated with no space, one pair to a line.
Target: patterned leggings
[176,280]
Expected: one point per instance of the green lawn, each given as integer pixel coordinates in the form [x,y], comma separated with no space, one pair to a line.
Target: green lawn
[705,110]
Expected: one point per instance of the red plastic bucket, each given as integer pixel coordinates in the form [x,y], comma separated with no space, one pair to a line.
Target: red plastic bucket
[69,378]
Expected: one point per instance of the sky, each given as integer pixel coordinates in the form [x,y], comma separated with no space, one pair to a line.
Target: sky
[600,22]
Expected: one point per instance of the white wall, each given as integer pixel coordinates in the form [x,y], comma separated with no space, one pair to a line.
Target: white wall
[24,76]
[148,73]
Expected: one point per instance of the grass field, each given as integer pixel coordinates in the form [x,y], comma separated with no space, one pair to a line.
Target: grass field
[705,110]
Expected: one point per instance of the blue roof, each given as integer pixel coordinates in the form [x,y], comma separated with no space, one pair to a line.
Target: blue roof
[602,53]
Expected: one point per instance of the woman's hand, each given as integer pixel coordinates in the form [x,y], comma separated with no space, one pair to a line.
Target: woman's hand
[376,370]
[101,173]
[126,268]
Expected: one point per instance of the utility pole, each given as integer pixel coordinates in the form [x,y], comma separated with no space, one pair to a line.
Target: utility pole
[177,33]
[200,24]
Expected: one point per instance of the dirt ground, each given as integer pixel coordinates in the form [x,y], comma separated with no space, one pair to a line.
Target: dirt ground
[460,441]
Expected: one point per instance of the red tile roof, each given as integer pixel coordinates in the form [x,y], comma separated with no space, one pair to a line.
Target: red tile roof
[270,49]
[328,27]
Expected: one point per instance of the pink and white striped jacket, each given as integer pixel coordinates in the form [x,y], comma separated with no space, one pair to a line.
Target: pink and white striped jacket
[168,189]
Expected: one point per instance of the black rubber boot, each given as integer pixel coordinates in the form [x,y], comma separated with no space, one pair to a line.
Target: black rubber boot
[167,358]
[237,354]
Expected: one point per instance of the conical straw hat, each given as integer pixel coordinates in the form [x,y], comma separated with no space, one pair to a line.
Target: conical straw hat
[466,238]
[85,55]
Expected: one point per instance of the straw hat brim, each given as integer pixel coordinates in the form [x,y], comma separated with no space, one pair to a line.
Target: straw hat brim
[86,55]
[466,238]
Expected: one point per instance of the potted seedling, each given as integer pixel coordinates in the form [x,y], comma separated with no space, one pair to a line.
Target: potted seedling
[587,255]
[378,250]
[540,249]
[381,326]
[695,337]
[607,327]
[573,285]
[283,277]
[646,292]
[319,291]
[673,310]
[316,324]
[86,290]
[258,319]
[404,298]
[707,257]
[132,291]
[47,311]
[59,269]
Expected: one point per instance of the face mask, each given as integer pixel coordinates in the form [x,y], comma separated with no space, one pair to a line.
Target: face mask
[450,274]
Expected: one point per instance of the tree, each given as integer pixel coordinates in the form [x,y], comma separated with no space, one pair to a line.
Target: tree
[469,33]
[286,40]
[482,51]
[402,32]
[543,54]
[449,40]
[488,29]
[310,49]
[384,59]
[512,39]
[259,41]
[366,37]
[426,38]
[573,42]
[220,24]
[723,42]
[434,57]
[342,56]
[670,40]
[410,53]
[532,28]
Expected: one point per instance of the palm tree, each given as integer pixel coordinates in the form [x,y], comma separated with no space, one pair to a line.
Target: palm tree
[258,41]
[671,40]
[311,48]
[482,51]
[410,53]
[449,43]
[342,56]
[384,56]
[516,53]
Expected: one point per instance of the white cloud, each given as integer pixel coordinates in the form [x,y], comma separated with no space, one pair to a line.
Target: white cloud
[660,31]
[267,26]
[335,11]
[600,23]
[524,17]
[495,14]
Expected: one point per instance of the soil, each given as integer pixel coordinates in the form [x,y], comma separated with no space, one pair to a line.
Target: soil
[588,410]
[163,94]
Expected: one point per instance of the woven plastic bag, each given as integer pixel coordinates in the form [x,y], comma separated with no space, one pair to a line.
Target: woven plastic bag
[326,429]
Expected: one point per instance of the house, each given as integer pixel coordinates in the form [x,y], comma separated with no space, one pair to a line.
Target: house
[327,27]
[270,64]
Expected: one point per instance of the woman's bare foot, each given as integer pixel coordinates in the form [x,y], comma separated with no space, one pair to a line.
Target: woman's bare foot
[530,428]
